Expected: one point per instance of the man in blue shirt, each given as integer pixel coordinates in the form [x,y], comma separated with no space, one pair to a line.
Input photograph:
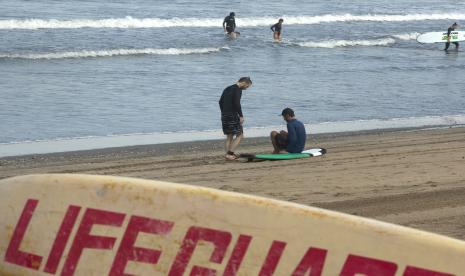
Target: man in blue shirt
[292,141]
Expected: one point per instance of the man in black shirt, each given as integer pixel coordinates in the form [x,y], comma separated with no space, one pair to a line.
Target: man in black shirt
[229,24]
[449,30]
[276,28]
[231,115]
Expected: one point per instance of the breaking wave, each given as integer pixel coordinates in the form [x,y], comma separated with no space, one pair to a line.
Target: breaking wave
[408,36]
[347,43]
[110,53]
[352,43]
[130,22]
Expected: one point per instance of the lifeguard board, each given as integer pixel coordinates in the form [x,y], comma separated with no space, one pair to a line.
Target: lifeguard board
[284,156]
[101,225]
[434,37]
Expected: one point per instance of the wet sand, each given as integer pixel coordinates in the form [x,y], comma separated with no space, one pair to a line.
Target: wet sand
[409,177]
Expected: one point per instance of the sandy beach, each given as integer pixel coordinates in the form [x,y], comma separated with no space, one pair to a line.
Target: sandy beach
[409,177]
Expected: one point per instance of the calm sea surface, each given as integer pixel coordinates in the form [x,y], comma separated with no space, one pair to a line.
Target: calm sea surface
[103,68]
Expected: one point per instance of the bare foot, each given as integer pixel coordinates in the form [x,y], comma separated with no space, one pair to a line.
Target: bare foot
[230,157]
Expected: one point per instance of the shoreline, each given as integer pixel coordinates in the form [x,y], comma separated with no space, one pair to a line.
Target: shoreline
[204,145]
[411,177]
[140,139]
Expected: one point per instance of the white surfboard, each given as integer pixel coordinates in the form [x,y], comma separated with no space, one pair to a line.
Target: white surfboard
[233,35]
[315,152]
[100,225]
[434,37]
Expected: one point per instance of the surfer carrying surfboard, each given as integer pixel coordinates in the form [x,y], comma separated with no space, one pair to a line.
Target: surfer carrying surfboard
[292,141]
[231,115]
[276,28]
[449,30]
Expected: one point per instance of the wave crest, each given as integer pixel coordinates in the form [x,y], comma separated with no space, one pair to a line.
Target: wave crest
[391,39]
[408,36]
[130,22]
[347,43]
[110,53]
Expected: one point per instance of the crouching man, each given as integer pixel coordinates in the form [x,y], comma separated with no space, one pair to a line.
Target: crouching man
[292,141]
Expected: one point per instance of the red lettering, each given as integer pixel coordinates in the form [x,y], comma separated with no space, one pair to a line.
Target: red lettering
[220,240]
[83,238]
[237,255]
[312,262]
[415,271]
[13,254]
[367,266]
[272,259]
[127,251]
[61,239]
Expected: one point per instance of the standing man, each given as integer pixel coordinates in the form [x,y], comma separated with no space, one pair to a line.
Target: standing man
[292,141]
[229,25]
[276,28]
[449,30]
[231,115]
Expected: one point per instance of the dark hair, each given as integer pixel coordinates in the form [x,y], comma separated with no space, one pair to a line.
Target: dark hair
[232,14]
[288,111]
[281,20]
[455,24]
[245,79]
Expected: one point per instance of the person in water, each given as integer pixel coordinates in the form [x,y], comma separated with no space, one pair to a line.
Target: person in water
[292,141]
[231,115]
[229,24]
[449,31]
[276,28]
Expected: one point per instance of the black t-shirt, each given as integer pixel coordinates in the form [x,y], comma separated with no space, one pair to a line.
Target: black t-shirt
[276,27]
[230,21]
[230,101]
[449,30]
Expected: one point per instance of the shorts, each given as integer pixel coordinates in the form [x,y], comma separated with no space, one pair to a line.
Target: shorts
[231,123]
[229,30]
[448,44]
[281,141]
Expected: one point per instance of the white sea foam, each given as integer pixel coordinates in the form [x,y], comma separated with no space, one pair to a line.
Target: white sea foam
[391,39]
[110,53]
[347,43]
[130,22]
[407,36]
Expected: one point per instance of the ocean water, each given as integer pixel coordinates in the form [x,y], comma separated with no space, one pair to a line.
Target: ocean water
[71,69]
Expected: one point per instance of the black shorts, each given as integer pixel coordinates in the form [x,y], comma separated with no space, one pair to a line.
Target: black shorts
[231,123]
[229,30]
[281,141]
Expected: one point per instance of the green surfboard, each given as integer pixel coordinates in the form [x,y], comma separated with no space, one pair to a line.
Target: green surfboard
[285,156]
